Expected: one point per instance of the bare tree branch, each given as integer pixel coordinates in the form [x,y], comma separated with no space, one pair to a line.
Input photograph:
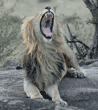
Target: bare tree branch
[88,4]
[93,7]
[94,3]
[72,39]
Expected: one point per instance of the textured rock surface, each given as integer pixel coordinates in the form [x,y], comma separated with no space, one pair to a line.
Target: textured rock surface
[81,94]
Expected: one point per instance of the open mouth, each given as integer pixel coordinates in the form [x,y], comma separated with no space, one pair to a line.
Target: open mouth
[46,24]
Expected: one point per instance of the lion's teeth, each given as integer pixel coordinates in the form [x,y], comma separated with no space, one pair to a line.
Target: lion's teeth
[44,18]
[47,34]
[46,15]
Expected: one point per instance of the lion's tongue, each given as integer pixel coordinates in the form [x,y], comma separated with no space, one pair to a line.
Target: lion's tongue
[47,31]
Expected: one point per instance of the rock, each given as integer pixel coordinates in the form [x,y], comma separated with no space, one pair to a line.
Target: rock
[81,94]
[94,64]
[26,104]
[10,63]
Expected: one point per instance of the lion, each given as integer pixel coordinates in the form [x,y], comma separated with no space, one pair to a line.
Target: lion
[46,57]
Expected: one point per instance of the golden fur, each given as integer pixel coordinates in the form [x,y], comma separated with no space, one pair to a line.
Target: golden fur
[45,53]
[45,63]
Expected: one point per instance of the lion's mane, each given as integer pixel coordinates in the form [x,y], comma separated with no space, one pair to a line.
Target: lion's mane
[42,61]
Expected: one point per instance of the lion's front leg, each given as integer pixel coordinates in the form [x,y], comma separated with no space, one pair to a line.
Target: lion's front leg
[31,90]
[53,92]
[75,69]
[71,61]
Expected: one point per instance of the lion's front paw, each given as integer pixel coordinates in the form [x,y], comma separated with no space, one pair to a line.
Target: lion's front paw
[61,102]
[73,73]
[77,74]
[80,75]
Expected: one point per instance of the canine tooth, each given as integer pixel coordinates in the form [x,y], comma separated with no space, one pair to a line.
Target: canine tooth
[51,18]
[46,15]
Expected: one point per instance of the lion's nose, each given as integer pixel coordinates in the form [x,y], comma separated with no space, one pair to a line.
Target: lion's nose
[48,8]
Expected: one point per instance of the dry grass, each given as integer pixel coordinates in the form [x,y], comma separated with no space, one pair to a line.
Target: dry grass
[73,12]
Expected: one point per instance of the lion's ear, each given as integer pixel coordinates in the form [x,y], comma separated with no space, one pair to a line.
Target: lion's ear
[27,31]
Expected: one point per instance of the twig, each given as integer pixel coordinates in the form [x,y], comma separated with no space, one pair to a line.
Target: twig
[72,39]
[93,3]
[88,4]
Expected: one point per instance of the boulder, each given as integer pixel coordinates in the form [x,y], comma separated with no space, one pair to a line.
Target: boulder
[81,94]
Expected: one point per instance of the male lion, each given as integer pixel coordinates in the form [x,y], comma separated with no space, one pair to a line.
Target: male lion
[46,57]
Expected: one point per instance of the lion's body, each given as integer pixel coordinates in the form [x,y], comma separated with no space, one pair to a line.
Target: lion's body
[48,68]
[45,63]
[48,61]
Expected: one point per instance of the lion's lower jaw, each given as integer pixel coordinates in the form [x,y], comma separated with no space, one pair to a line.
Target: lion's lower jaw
[47,40]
